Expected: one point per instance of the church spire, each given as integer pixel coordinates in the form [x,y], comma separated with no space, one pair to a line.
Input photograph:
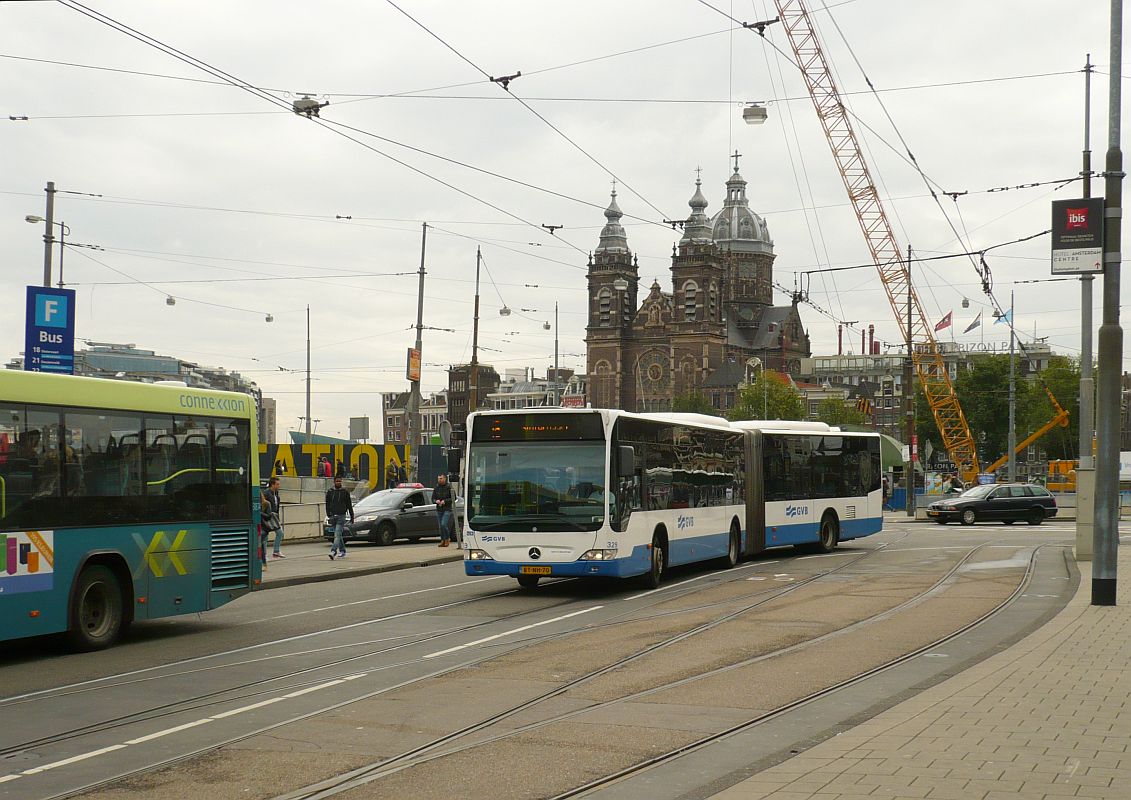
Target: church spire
[613,237]
[697,227]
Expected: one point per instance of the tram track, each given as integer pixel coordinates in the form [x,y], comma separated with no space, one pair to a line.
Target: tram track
[630,615]
[424,753]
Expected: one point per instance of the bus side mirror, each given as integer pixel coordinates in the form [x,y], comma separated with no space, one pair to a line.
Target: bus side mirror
[626,461]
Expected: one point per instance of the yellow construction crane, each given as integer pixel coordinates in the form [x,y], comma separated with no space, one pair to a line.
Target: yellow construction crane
[894,273]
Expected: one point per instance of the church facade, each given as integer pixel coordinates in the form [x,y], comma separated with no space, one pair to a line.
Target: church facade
[647,347]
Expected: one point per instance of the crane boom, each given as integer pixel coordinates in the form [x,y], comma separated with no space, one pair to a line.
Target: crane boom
[894,274]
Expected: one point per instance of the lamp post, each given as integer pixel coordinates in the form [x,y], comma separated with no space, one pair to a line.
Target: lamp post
[63,233]
[754,361]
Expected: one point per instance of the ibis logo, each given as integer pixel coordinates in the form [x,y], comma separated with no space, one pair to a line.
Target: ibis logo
[1076,219]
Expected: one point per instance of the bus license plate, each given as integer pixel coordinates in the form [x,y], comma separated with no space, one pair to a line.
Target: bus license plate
[534,570]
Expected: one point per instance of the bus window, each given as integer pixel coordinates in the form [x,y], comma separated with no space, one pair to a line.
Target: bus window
[103,470]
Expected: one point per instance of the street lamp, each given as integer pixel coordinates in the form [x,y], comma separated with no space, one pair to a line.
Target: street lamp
[63,232]
[754,114]
[751,362]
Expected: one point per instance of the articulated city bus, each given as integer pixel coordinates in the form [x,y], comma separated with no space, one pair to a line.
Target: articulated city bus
[121,501]
[590,493]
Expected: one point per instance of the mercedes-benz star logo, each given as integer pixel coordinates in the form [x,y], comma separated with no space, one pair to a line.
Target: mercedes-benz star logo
[535,553]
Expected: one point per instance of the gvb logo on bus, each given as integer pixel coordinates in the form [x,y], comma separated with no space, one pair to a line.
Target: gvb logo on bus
[796,511]
[682,522]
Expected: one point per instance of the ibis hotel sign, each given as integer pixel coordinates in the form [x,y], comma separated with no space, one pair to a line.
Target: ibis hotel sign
[1077,236]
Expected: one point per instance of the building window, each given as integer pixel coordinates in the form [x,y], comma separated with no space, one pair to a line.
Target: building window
[604,306]
[713,301]
[690,296]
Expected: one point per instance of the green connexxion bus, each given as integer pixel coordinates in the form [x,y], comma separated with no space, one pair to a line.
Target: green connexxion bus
[121,501]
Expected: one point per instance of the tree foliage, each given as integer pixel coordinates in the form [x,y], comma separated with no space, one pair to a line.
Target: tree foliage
[983,393]
[837,411]
[694,402]
[769,396]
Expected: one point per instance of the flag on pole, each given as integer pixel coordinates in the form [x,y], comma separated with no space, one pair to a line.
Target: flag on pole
[944,322]
[977,323]
[1007,318]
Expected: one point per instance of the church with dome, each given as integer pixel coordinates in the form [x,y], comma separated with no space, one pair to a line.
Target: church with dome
[646,347]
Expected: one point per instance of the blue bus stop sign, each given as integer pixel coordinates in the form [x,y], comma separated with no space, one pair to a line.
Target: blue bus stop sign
[49,333]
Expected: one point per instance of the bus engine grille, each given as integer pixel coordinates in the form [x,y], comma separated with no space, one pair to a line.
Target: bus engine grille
[231,560]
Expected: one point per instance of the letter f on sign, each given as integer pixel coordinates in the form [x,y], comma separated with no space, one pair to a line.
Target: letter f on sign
[50,309]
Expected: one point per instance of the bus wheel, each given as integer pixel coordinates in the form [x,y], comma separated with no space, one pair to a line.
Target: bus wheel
[96,609]
[731,558]
[829,534]
[528,581]
[651,578]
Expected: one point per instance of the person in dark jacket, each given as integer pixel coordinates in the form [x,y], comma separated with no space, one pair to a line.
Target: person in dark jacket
[341,471]
[442,497]
[338,505]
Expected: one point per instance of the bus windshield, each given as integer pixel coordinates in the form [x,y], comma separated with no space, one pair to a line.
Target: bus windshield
[550,486]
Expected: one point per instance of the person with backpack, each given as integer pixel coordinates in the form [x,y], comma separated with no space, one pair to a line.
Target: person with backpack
[272,518]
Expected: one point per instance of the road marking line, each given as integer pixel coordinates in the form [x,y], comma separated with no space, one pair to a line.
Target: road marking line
[310,689]
[827,555]
[510,632]
[73,759]
[6,778]
[150,737]
[377,599]
[242,709]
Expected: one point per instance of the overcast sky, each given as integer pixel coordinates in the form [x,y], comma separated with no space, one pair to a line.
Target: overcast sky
[208,189]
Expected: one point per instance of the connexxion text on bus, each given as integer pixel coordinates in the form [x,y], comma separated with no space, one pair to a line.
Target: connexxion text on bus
[121,501]
[606,493]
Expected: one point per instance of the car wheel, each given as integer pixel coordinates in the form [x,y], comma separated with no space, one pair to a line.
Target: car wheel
[96,609]
[528,581]
[969,517]
[386,533]
[1036,516]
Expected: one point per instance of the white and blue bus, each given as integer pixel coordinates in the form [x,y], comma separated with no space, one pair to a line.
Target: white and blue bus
[606,493]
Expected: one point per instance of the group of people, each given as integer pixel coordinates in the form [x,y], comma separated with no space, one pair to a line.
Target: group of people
[339,505]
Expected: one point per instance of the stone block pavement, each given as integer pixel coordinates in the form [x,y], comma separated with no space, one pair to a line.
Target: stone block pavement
[1046,719]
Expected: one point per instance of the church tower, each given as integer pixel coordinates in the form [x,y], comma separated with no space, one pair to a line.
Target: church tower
[613,287]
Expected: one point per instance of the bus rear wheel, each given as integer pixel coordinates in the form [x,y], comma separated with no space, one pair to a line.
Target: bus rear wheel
[528,581]
[731,558]
[829,534]
[96,609]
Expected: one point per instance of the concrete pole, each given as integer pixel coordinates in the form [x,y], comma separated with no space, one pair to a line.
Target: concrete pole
[48,233]
[313,471]
[473,398]
[1011,440]
[1106,535]
[414,391]
[909,401]
[1086,468]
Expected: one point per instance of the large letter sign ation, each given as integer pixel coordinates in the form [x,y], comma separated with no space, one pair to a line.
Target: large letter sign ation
[49,333]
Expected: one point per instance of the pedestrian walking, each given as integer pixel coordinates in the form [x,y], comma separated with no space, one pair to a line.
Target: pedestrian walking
[338,505]
[390,477]
[325,469]
[442,497]
[341,471]
[264,515]
[272,519]
[887,494]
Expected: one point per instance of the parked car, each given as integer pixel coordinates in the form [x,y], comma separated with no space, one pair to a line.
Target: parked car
[402,513]
[996,502]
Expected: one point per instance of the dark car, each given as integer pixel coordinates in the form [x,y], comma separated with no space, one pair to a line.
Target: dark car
[402,513]
[996,502]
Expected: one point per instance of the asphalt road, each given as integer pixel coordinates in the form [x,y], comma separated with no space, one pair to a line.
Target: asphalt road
[426,683]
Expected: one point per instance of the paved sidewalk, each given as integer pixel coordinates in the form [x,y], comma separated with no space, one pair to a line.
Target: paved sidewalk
[309,562]
[1048,718]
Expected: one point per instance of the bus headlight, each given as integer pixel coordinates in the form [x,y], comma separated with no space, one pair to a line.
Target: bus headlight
[598,555]
[478,555]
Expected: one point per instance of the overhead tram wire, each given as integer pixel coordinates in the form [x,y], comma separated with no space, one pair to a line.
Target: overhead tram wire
[504,85]
[263,95]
